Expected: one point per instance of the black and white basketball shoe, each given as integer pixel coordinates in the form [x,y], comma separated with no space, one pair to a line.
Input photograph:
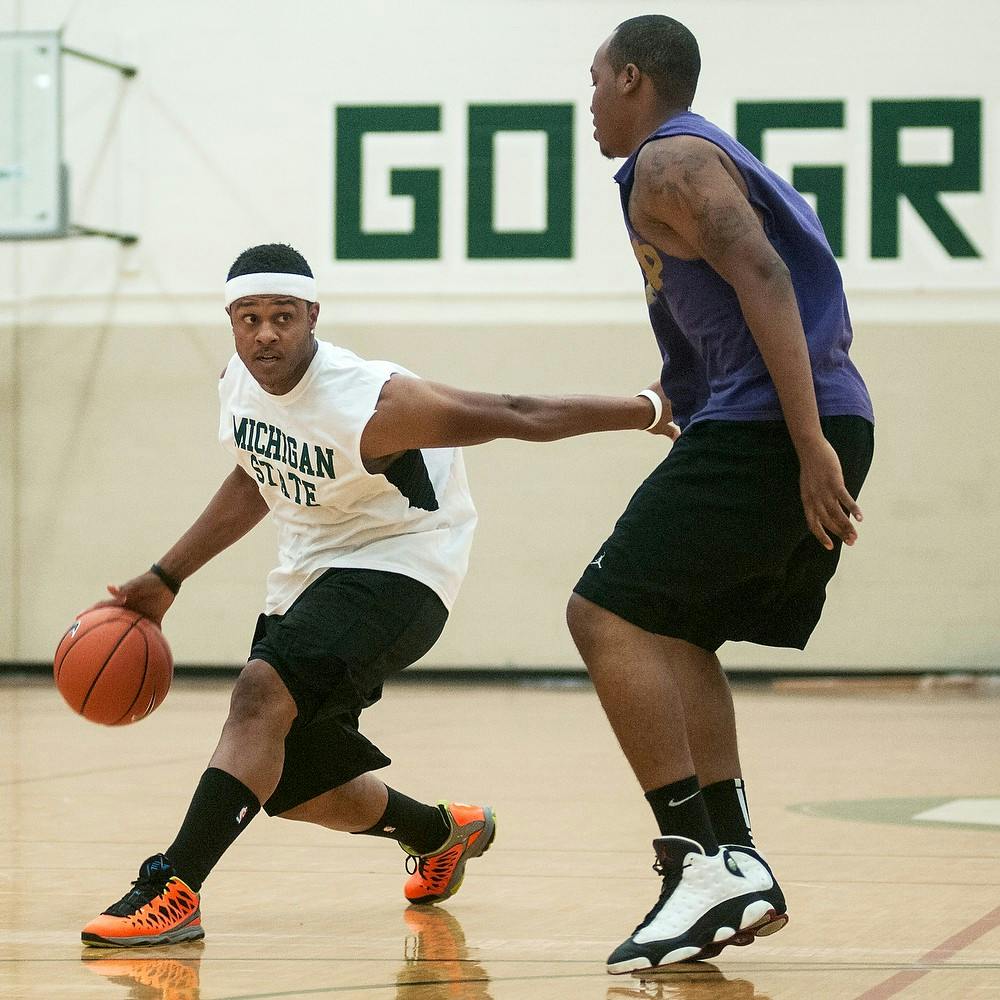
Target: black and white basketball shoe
[706,902]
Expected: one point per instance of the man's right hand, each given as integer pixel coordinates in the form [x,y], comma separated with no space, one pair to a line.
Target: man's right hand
[146,594]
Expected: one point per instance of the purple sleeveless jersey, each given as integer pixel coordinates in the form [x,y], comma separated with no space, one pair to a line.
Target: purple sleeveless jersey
[712,369]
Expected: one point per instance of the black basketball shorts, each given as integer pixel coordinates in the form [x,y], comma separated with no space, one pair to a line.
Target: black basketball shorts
[714,545]
[333,649]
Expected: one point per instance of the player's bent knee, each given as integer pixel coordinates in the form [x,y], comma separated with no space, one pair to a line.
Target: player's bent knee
[261,698]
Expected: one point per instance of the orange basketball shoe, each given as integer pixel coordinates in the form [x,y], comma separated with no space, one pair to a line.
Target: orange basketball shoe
[439,875]
[158,909]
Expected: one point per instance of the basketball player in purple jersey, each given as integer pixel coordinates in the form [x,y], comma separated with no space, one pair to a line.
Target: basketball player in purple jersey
[736,534]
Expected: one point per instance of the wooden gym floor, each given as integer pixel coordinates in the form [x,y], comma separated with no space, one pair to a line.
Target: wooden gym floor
[878,806]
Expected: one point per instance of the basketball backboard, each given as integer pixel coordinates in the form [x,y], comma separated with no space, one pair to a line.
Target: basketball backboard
[32,188]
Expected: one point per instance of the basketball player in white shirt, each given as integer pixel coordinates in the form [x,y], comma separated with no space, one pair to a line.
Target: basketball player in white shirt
[358,463]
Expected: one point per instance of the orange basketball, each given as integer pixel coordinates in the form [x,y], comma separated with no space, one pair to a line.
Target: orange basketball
[113,666]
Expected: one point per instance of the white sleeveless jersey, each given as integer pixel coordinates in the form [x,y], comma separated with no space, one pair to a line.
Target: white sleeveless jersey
[304,451]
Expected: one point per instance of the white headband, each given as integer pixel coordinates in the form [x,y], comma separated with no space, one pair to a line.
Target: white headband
[299,286]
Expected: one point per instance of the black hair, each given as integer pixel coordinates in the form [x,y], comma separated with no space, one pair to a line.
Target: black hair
[270,258]
[664,50]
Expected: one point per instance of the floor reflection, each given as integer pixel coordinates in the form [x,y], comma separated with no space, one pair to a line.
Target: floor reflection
[151,977]
[437,959]
[696,981]
[436,965]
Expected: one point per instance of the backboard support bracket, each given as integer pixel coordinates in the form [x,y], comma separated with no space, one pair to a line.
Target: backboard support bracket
[126,71]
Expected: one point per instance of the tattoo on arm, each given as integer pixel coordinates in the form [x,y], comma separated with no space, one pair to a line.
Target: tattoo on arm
[691,182]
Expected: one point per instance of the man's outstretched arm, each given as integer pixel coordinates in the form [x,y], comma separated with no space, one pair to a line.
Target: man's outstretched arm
[413,413]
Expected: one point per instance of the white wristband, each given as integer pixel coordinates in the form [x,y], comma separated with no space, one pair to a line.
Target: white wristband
[657,407]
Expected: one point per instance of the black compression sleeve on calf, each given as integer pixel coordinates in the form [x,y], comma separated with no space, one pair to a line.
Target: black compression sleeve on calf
[220,811]
[421,827]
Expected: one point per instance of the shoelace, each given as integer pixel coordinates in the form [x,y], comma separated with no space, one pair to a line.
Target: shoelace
[143,891]
[431,869]
[670,882]
[425,866]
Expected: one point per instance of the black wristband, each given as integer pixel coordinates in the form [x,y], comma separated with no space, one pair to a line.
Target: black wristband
[165,578]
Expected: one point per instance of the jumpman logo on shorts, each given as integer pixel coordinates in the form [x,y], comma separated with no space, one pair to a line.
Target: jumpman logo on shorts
[597,562]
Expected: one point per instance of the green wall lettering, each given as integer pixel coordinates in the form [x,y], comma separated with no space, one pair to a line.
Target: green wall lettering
[485,121]
[920,184]
[423,185]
